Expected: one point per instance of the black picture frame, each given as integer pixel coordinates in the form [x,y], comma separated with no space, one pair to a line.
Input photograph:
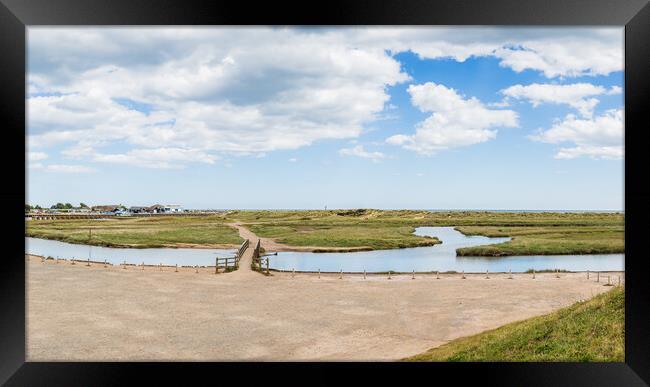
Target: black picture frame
[17,15]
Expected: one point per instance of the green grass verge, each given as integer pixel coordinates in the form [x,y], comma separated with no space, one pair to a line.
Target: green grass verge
[547,240]
[136,232]
[593,330]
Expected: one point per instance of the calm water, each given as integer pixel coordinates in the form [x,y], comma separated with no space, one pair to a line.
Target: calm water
[440,257]
[166,256]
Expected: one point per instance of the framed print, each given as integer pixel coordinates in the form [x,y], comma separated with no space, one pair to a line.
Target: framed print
[452,189]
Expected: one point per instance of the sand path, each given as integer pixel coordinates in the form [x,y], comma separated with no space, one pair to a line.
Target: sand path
[92,313]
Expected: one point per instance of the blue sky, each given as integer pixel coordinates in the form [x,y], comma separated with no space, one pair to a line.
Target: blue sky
[436,118]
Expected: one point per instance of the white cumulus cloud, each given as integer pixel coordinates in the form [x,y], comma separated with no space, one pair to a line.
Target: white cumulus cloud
[577,95]
[247,91]
[455,120]
[600,137]
[359,151]
[68,168]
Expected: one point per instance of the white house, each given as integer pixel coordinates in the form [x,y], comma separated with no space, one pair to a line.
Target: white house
[172,208]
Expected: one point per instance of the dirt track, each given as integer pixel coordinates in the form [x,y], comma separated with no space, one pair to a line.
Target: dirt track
[102,314]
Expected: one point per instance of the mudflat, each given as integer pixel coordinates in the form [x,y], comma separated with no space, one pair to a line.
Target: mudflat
[92,313]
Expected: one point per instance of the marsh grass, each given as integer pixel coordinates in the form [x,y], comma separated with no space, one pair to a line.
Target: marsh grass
[136,232]
[592,330]
[547,240]
[362,229]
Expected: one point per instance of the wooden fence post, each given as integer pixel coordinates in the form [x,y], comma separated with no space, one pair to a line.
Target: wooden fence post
[216,265]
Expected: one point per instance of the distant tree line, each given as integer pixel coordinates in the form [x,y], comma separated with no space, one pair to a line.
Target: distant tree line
[57,206]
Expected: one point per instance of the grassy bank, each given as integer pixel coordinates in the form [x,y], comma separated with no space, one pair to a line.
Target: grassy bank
[586,331]
[534,233]
[137,232]
[371,236]
[547,240]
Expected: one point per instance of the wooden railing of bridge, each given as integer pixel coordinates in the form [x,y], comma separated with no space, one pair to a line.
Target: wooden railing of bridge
[227,264]
[259,261]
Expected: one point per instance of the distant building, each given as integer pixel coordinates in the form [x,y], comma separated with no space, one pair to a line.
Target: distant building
[106,209]
[172,208]
[155,209]
[138,210]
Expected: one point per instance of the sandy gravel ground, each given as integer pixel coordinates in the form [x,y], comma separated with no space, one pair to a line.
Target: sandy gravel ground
[79,312]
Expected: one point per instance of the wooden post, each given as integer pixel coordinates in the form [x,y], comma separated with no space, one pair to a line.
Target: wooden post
[88,262]
[341,274]
[587,274]
[597,276]
[177,268]
[487,275]
[160,266]
[437,274]
[268,271]
[216,265]
[533,273]
[364,273]
[104,262]
[463,274]
[293,272]
[413,275]
[124,267]
[318,273]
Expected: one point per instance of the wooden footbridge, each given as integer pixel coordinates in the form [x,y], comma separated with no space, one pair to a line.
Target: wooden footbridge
[247,259]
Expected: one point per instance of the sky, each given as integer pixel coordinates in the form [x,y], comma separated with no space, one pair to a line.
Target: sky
[306,117]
